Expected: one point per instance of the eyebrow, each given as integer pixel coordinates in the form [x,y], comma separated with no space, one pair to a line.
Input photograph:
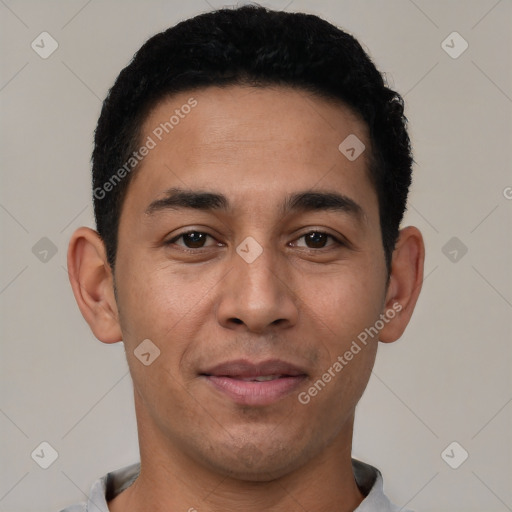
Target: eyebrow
[323,201]
[306,201]
[177,198]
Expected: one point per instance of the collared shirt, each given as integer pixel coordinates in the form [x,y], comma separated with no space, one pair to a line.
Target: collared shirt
[368,478]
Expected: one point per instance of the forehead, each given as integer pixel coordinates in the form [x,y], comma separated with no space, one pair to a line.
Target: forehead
[249,140]
[251,116]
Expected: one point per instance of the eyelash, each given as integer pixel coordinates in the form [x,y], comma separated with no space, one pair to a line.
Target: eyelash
[337,241]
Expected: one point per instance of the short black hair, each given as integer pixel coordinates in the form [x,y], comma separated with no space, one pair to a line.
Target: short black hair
[254,46]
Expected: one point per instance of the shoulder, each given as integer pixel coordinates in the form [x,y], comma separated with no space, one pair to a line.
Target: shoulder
[106,488]
[369,481]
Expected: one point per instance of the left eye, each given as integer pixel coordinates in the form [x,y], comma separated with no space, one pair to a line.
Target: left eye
[192,239]
[317,240]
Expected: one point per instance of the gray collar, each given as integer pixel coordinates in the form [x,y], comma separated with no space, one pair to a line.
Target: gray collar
[368,479]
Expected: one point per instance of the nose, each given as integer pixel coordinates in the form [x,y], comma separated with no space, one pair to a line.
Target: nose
[257,296]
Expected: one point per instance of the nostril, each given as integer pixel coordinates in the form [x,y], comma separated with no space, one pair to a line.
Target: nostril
[236,321]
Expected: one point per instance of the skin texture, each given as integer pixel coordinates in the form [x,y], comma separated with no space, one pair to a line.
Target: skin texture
[304,305]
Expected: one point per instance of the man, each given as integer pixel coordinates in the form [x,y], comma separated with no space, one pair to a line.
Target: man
[250,173]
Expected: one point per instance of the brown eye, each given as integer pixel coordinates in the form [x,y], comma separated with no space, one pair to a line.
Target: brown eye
[191,240]
[194,239]
[316,240]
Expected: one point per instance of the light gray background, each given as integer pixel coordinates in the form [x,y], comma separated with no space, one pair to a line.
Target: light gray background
[448,379]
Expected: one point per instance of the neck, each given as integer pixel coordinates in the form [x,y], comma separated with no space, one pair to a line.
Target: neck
[171,480]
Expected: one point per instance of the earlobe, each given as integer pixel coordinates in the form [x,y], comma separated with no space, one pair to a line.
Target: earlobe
[92,283]
[405,283]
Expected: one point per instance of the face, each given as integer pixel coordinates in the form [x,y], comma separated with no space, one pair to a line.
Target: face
[250,254]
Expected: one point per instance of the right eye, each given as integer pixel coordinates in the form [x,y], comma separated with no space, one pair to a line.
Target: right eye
[192,240]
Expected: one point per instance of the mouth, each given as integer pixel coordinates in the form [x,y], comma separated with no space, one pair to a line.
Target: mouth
[248,383]
[262,378]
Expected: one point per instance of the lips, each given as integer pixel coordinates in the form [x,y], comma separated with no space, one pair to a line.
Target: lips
[242,369]
[250,383]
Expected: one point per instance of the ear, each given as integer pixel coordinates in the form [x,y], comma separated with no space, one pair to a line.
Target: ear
[93,284]
[405,283]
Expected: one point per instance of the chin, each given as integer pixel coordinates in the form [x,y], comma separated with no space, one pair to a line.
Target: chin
[253,462]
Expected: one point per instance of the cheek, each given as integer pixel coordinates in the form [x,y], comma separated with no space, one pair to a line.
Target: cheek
[156,304]
[348,302]
[163,304]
